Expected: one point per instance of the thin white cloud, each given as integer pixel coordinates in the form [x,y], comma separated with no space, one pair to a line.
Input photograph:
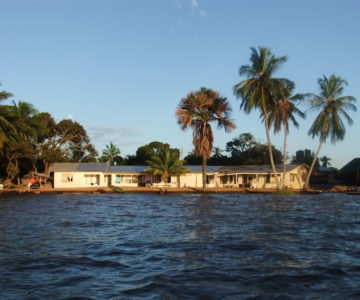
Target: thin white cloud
[194,3]
[196,6]
[99,133]
[178,5]
[202,12]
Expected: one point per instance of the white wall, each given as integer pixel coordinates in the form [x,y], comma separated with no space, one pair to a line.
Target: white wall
[78,179]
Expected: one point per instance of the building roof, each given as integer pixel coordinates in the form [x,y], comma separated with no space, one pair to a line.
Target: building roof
[79,167]
[352,166]
[254,169]
[127,169]
[198,169]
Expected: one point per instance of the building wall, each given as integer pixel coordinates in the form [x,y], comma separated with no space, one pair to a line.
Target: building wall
[78,179]
[294,179]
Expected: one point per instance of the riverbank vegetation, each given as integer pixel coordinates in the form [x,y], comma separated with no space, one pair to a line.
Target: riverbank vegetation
[31,140]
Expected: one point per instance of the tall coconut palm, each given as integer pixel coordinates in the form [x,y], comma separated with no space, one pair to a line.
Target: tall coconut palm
[285,111]
[260,88]
[198,110]
[111,152]
[333,106]
[166,163]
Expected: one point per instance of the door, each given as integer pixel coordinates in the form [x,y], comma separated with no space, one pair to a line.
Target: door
[108,180]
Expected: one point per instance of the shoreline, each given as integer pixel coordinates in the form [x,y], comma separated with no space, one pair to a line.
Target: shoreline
[139,190]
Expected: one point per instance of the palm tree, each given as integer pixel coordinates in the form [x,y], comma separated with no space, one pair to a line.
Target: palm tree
[198,110]
[284,111]
[325,161]
[24,119]
[260,88]
[217,152]
[111,152]
[332,106]
[166,163]
[6,128]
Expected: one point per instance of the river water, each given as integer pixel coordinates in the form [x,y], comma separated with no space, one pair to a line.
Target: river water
[184,246]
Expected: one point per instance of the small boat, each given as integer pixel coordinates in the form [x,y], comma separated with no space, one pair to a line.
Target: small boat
[116,189]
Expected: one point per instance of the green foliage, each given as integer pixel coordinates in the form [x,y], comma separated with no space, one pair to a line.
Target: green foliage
[30,140]
[333,106]
[146,152]
[165,163]
[110,153]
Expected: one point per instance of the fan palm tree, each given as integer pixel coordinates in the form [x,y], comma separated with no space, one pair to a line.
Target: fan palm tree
[198,110]
[260,88]
[285,111]
[111,152]
[333,106]
[166,163]
[325,161]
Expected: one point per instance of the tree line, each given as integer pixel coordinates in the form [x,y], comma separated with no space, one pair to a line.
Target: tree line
[32,140]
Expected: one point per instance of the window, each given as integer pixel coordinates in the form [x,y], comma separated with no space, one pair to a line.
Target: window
[92,179]
[126,179]
[292,177]
[66,178]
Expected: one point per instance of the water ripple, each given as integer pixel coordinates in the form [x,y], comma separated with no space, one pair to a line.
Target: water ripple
[194,246]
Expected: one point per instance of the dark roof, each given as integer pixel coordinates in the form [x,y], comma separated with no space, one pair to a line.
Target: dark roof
[249,169]
[198,169]
[93,167]
[64,167]
[352,166]
[127,169]
[79,167]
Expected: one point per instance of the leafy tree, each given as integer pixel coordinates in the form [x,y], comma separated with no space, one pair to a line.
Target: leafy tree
[144,153]
[111,152]
[63,141]
[192,158]
[333,106]
[198,110]
[285,111]
[166,163]
[260,88]
[258,155]
[218,159]
[239,145]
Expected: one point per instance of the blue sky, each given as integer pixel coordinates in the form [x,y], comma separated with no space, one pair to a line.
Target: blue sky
[120,68]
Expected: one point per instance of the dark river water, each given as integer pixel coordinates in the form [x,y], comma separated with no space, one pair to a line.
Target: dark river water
[150,246]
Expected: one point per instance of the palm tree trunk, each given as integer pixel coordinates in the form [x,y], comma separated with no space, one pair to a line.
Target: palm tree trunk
[306,185]
[204,170]
[284,157]
[270,150]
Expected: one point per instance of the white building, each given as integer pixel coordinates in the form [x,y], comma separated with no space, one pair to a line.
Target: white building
[78,175]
